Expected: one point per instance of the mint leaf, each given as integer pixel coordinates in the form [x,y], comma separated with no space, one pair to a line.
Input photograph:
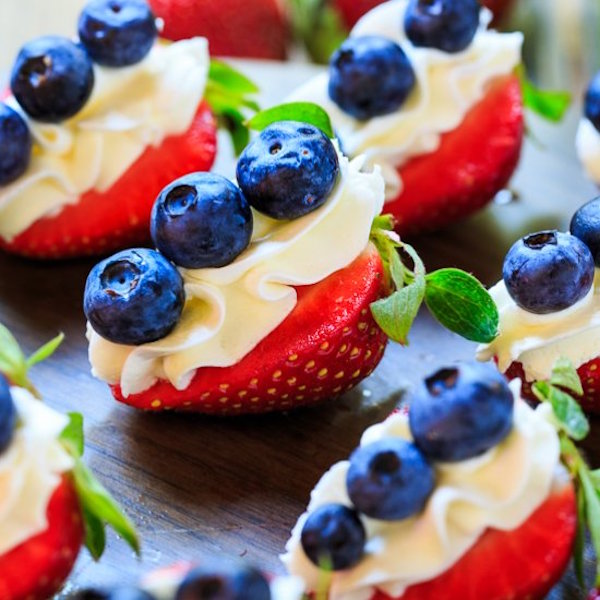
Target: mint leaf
[592,511]
[460,303]
[303,112]
[45,351]
[72,435]
[565,375]
[566,409]
[549,104]
[12,360]
[579,546]
[95,534]
[384,222]
[229,78]
[234,122]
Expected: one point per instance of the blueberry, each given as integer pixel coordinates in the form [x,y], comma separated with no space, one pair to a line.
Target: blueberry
[134,297]
[448,25]
[333,537]
[289,170]
[585,225]
[117,33]
[548,271]
[201,220]
[16,142]
[8,415]
[389,479]
[224,583]
[591,106]
[117,593]
[461,412]
[370,76]
[52,78]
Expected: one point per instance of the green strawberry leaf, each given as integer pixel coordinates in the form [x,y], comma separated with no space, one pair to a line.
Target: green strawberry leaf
[72,435]
[229,78]
[235,124]
[579,546]
[46,351]
[95,534]
[592,511]
[304,112]
[565,375]
[549,104]
[460,303]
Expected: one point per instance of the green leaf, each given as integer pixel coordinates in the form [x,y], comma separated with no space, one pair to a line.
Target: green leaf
[72,435]
[95,534]
[304,112]
[233,121]
[12,360]
[566,409]
[383,222]
[565,375]
[592,511]
[550,104]
[579,546]
[460,303]
[45,351]
[229,78]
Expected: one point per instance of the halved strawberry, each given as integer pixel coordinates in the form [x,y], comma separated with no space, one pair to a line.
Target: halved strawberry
[523,564]
[36,569]
[102,222]
[589,374]
[473,163]
[256,29]
[326,346]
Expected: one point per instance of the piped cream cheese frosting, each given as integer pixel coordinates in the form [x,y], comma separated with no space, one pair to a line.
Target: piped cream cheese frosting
[229,310]
[447,87]
[130,109]
[30,470]
[499,489]
[538,341]
[587,143]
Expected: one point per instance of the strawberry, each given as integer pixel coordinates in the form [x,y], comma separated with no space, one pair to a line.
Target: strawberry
[38,567]
[352,10]
[326,346]
[101,222]
[468,168]
[233,27]
[494,568]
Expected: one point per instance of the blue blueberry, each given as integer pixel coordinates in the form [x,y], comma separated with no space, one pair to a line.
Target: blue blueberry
[333,537]
[289,170]
[224,583]
[591,105]
[585,225]
[201,220]
[134,297]
[52,78]
[461,412]
[8,415]
[370,76]
[117,33]
[548,271]
[448,25]
[16,142]
[389,479]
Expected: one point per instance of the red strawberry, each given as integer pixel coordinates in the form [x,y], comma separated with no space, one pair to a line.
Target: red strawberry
[594,594]
[494,568]
[589,374]
[326,346]
[254,29]
[473,162]
[102,222]
[36,569]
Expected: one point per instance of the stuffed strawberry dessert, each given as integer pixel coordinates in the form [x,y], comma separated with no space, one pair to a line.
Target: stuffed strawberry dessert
[427,92]
[92,130]
[261,297]
[445,500]
[548,302]
[50,503]
[587,141]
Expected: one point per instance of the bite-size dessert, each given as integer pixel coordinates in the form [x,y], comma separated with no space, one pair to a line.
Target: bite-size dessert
[549,306]
[446,499]
[587,141]
[265,296]
[50,503]
[425,90]
[92,130]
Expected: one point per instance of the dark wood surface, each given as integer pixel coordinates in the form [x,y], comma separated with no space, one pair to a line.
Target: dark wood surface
[200,486]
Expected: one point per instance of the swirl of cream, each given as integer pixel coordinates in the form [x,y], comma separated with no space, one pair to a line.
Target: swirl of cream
[448,86]
[30,470]
[538,341]
[130,110]
[499,489]
[587,143]
[229,310]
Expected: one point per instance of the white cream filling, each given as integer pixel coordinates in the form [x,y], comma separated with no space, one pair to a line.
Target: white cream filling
[30,470]
[587,143]
[447,87]
[538,341]
[500,490]
[229,310]
[130,109]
